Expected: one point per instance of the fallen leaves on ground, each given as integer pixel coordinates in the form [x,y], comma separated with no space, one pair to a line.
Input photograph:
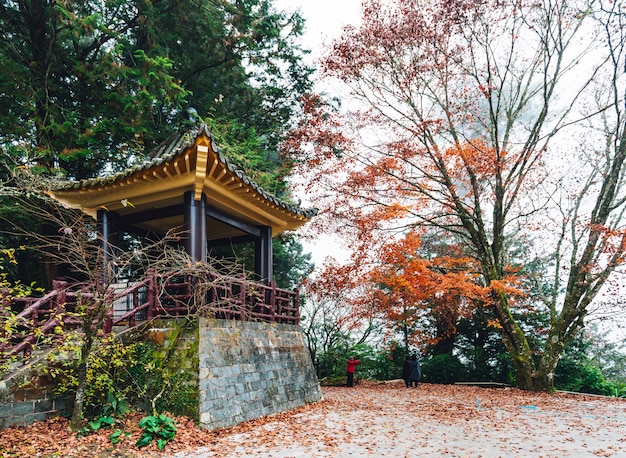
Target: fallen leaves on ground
[371,418]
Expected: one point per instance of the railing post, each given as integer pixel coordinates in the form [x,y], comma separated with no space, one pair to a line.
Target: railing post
[131,319]
[61,297]
[272,303]
[211,294]
[151,294]
[296,304]
[34,317]
[107,326]
[242,299]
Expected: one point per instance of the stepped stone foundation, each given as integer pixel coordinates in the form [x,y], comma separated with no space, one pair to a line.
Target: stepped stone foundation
[23,405]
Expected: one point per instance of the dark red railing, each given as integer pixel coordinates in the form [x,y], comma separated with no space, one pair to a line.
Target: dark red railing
[39,317]
[154,297]
[224,297]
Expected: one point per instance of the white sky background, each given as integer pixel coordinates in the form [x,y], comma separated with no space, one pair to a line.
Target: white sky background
[325,20]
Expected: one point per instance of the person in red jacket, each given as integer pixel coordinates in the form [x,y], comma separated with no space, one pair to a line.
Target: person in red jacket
[352,363]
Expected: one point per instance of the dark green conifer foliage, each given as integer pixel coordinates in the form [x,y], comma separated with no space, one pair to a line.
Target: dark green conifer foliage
[89,86]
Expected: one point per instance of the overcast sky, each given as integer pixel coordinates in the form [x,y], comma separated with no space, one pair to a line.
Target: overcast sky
[324,19]
[324,22]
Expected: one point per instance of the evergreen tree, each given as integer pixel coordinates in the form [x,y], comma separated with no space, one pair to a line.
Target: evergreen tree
[92,86]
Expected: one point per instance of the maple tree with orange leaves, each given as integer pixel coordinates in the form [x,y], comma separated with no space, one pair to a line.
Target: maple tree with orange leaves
[410,287]
[496,123]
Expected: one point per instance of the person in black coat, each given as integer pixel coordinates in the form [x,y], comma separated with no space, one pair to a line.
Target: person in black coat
[415,371]
[405,370]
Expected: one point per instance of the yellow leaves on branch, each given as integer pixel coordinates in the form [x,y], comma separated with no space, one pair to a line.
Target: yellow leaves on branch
[495,323]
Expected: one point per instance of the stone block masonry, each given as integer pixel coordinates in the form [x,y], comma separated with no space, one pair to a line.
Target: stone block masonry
[250,369]
[22,405]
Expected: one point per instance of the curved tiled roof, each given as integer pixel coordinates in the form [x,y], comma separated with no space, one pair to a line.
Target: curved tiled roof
[173,147]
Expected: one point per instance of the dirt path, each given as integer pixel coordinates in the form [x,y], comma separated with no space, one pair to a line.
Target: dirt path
[434,421]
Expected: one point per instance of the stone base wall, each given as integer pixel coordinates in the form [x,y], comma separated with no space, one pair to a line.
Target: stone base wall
[23,405]
[249,370]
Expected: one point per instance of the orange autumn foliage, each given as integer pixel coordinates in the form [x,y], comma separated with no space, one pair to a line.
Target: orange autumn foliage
[392,282]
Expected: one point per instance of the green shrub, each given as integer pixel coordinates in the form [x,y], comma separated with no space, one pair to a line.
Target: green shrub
[96,424]
[376,364]
[181,397]
[443,369]
[159,427]
[116,373]
[582,377]
[333,363]
[620,390]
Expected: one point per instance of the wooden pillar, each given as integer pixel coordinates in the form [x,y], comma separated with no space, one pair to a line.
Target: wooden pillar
[263,258]
[108,231]
[195,227]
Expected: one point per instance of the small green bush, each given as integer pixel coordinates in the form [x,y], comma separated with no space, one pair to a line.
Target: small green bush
[116,373]
[376,363]
[443,369]
[582,377]
[95,425]
[159,427]
[181,398]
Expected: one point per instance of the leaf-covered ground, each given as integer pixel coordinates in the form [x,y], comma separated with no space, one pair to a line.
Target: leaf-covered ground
[375,420]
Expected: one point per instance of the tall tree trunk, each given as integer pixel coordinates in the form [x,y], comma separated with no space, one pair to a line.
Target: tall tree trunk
[544,381]
[516,344]
[79,398]
[521,358]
